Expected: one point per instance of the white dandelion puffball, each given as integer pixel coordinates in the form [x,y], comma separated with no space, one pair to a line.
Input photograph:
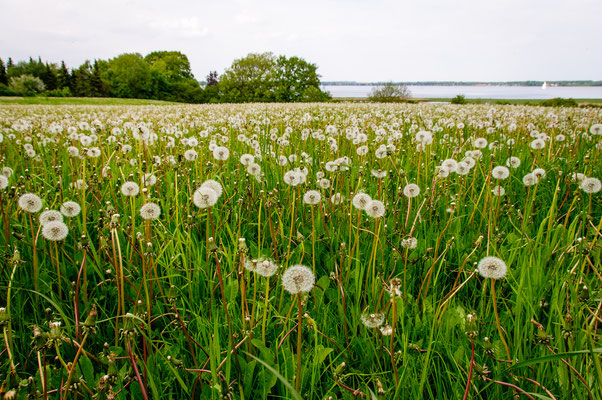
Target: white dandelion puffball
[337,199]
[50,216]
[577,177]
[149,179]
[498,191]
[493,268]
[529,180]
[373,320]
[312,197]
[130,189]
[70,209]
[221,153]
[298,279]
[254,169]
[450,164]
[30,202]
[480,143]
[513,162]
[591,185]
[539,173]
[375,209]
[204,197]
[247,159]
[215,185]
[596,129]
[3,182]
[265,267]
[55,231]
[409,243]
[191,155]
[538,144]
[361,200]
[7,171]
[324,183]
[500,172]
[150,211]
[411,190]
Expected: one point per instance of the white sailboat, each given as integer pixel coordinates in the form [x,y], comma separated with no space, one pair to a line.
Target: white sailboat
[545,85]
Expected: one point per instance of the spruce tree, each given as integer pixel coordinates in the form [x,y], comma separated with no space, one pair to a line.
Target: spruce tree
[3,74]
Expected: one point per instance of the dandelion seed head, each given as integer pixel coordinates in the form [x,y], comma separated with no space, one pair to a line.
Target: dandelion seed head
[373,320]
[3,182]
[150,211]
[375,209]
[591,185]
[312,197]
[55,231]
[492,268]
[298,279]
[130,189]
[50,216]
[215,185]
[70,209]
[411,190]
[361,200]
[204,197]
[500,172]
[30,202]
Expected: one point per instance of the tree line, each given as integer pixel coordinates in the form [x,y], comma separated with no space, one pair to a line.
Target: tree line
[166,75]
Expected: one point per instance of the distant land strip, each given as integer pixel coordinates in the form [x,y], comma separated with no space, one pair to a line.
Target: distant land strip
[458,83]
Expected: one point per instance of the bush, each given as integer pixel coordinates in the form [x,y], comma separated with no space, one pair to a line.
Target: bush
[26,85]
[390,92]
[64,92]
[559,102]
[459,99]
[5,91]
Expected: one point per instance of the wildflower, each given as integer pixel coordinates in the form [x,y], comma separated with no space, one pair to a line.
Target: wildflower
[55,231]
[70,209]
[215,185]
[538,144]
[221,153]
[596,129]
[130,189]
[424,137]
[361,200]
[409,243]
[529,180]
[373,320]
[578,177]
[50,216]
[149,179]
[247,159]
[298,279]
[3,182]
[386,330]
[150,211]
[191,155]
[265,267]
[539,173]
[480,143]
[411,190]
[442,172]
[500,172]
[254,169]
[7,171]
[337,199]
[379,173]
[493,268]
[591,185]
[312,197]
[375,209]
[498,191]
[204,197]
[513,162]
[450,164]
[30,202]
[94,152]
[324,183]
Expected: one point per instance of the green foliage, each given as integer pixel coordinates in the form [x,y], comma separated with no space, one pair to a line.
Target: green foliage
[459,99]
[173,65]
[389,92]
[26,85]
[129,76]
[559,102]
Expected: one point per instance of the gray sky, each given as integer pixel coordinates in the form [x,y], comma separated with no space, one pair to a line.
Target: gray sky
[362,40]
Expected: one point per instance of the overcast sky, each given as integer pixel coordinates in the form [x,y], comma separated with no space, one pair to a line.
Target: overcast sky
[361,40]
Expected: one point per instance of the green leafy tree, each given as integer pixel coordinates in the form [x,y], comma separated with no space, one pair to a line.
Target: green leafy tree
[130,76]
[26,85]
[49,77]
[249,79]
[63,76]
[390,92]
[294,78]
[172,64]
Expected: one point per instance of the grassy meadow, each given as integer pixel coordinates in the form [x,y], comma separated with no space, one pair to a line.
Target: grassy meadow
[300,251]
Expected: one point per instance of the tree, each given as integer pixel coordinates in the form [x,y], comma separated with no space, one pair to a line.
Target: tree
[172,64]
[294,76]
[390,92]
[129,76]
[63,77]
[49,77]
[26,85]
[212,79]
[3,75]
[249,79]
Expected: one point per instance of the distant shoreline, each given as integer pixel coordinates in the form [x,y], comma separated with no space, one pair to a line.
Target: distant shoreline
[457,83]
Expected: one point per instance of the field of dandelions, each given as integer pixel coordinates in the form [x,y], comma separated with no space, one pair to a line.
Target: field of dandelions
[300,251]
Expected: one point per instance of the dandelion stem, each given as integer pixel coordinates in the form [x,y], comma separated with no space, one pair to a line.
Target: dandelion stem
[497,320]
[299,338]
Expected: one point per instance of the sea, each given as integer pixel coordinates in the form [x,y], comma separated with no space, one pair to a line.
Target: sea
[477,91]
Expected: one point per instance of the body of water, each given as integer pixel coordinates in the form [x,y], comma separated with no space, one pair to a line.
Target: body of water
[479,92]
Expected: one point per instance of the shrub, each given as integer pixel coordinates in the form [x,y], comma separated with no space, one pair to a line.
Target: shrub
[390,92]
[559,102]
[459,99]
[26,85]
